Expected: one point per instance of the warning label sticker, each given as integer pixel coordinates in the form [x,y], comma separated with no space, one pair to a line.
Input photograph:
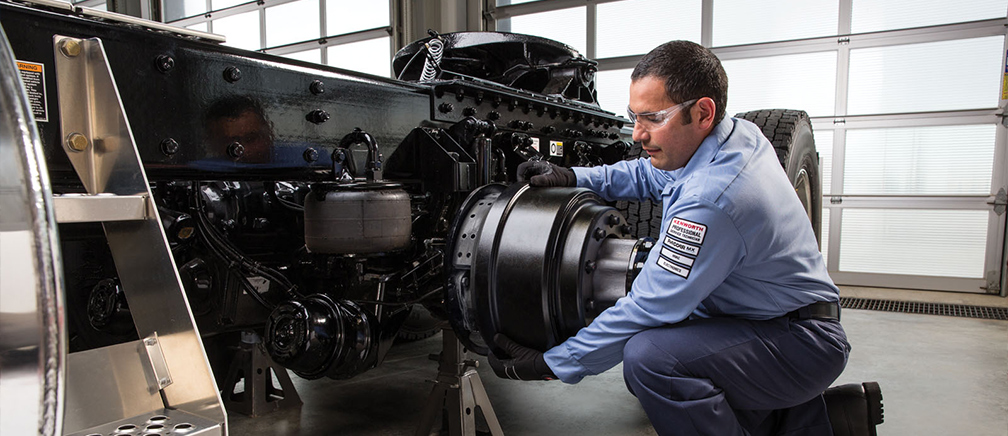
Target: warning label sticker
[556,148]
[688,231]
[33,76]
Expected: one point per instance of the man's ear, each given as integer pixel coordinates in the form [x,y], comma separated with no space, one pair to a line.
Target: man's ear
[703,113]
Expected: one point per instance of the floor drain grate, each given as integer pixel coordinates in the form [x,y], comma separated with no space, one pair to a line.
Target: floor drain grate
[960,310]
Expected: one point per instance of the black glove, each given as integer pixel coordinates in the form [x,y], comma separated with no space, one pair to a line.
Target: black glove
[521,363]
[542,173]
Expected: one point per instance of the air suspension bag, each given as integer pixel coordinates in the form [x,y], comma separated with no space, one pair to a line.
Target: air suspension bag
[357,218]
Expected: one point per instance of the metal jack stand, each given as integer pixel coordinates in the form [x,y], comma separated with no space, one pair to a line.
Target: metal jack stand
[457,392]
[253,367]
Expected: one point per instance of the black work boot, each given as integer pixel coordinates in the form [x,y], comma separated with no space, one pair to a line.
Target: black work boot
[854,409]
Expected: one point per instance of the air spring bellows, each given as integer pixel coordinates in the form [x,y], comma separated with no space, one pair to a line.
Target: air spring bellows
[360,218]
[318,336]
[536,264]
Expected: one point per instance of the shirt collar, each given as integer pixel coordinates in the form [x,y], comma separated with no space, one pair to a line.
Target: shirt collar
[705,153]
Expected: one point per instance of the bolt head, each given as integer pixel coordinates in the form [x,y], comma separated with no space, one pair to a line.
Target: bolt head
[599,234]
[70,48]
[169,146]
[236,150]
[316,87]
[77,142]
[164,63]
[232,74]
[310,155]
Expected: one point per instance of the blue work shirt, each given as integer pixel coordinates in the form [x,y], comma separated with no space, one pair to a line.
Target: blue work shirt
[735,242]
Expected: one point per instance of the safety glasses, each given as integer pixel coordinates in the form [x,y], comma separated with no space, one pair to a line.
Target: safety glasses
[654,120]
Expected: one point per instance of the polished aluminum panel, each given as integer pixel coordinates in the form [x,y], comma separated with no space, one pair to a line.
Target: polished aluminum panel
[101,147]
[157,422]
[106,384]
[78,208]
[32,329]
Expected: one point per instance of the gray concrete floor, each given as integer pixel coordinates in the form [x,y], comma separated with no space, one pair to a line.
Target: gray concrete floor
[939,376]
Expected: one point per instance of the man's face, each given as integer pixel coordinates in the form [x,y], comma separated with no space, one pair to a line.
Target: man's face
[671,145]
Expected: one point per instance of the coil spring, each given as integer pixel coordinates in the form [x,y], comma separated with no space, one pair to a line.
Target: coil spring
[435,49]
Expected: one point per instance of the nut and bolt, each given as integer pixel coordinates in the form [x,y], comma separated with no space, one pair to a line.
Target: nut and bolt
[446,107]
[236,150]
[599,234]
[590,266]
[70,48]
[232,74]
[316,87]
[614,219]
[318,116]
[169,146]
[77,142]
[310,155]
[164,63]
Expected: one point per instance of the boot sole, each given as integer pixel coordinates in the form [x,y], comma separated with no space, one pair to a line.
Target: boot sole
[873,397]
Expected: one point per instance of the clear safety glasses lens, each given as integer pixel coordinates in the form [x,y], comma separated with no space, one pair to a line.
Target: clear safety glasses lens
[651,120]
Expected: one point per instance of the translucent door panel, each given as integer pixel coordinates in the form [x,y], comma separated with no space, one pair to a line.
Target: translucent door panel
[292,22]
[345,16]
[876,15]
[565,25]
[178,9]
[943,243]
[372,56]
[933,160]
[748,22]
[802,81]
[630,28]
[613,87]
[933,76]
[824,146]
[241,30]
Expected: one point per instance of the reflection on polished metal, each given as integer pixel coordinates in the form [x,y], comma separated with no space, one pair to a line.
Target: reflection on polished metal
[170,363]
[32,329]
[536,264]
[78,208]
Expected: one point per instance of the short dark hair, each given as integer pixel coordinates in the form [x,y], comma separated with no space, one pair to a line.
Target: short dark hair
[690,71]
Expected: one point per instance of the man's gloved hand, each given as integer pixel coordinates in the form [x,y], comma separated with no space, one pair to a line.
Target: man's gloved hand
[542,173]
[521,363]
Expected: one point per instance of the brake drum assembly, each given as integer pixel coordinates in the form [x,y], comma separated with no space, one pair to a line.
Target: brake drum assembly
[536,264]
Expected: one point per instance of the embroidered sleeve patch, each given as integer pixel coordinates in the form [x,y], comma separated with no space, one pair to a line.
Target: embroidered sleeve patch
[683,247]
[673,268]
[676,257]
[688,231]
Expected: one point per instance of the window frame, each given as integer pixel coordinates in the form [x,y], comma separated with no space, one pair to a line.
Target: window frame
[835,202]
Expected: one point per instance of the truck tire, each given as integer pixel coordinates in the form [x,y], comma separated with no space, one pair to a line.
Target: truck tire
[790,132]
[420,324]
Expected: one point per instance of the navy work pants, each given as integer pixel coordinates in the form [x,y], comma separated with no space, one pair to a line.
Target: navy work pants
[727,377]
